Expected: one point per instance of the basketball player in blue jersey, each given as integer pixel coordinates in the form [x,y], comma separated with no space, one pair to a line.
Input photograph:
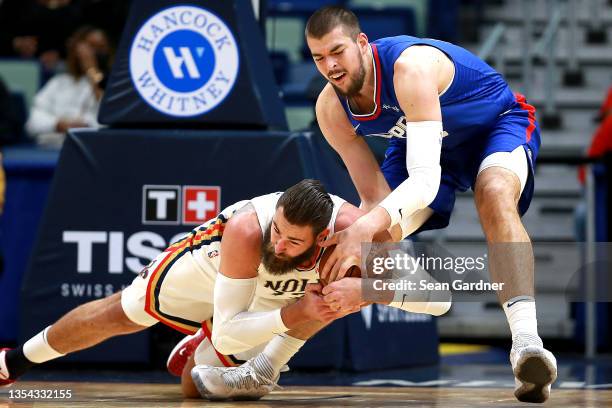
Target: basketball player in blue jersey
[452,123]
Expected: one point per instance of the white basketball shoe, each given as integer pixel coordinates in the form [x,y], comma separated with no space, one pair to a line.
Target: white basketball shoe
[250,381]
[534,367]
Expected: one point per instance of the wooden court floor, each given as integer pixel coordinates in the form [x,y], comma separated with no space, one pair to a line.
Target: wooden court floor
[99,395]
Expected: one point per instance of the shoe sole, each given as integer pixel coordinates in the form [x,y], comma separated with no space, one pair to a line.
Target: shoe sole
[537,373]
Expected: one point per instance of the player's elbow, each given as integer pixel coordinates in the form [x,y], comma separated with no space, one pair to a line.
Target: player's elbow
[433,185]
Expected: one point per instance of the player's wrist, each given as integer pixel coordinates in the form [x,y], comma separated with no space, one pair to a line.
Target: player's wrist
[374,222]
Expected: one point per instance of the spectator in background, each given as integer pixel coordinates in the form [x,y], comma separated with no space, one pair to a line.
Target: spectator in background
[602,139]
[72,99]
[109,15]
[37,29]
[600,145]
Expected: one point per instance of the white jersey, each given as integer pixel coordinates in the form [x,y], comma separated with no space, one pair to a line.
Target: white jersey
[206,249]
[176,288]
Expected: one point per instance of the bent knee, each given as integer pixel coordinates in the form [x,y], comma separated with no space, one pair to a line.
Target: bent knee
[113,310]
[497,190]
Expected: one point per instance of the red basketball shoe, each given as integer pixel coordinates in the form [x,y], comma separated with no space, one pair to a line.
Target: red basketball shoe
[5,381]
[182,351]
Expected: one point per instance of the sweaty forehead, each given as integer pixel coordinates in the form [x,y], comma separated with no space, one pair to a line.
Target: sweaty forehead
[333,39]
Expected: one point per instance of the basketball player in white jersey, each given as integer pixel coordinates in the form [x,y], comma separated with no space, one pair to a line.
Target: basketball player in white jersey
[264,289]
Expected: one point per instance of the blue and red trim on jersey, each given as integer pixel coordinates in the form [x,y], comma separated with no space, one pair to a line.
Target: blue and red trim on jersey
[377,90]
[520,99]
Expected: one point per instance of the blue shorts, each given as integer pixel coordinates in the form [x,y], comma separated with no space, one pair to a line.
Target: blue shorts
[514,128]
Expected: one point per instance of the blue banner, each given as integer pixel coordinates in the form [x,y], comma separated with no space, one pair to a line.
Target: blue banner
[202,64]
[119,197]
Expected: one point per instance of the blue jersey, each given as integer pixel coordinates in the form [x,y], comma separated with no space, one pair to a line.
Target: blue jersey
[480,116]
[470,106]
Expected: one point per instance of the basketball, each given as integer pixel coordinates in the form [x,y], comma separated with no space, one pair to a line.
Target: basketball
[353,272]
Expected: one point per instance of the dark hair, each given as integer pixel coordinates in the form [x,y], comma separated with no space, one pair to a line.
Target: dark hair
[73,65]
[327,18]
[307,203]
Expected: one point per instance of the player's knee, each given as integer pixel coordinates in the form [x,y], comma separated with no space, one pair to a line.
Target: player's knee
[496,194]
[220,346]
[111,310]
[227,345]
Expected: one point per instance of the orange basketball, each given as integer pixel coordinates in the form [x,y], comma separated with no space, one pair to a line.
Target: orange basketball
[353,272]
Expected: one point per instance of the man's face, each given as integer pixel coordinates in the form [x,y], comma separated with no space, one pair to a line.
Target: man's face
[339,59]
[286,246]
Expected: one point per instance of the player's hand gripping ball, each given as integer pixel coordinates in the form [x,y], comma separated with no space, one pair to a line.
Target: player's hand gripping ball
[353,272]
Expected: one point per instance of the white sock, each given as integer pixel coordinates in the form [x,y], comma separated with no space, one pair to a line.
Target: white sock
[521,314]
[280,349]
[37,350]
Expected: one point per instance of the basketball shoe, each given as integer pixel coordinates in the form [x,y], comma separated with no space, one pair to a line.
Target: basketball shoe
[182,351]
[534,367]
[250,381]
[5,381]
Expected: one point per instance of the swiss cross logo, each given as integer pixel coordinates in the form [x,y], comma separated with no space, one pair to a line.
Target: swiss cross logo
[200,203]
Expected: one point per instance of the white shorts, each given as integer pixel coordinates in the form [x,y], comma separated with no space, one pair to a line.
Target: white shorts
[176,290]
[515,161]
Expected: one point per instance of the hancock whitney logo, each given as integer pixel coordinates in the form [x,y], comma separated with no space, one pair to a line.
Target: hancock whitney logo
[184,61]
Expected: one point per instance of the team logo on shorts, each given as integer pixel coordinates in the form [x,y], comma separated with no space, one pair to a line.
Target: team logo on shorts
[184,61]
[145,271]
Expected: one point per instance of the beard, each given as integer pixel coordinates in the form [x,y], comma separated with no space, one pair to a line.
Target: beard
[356,83]
[281,265]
